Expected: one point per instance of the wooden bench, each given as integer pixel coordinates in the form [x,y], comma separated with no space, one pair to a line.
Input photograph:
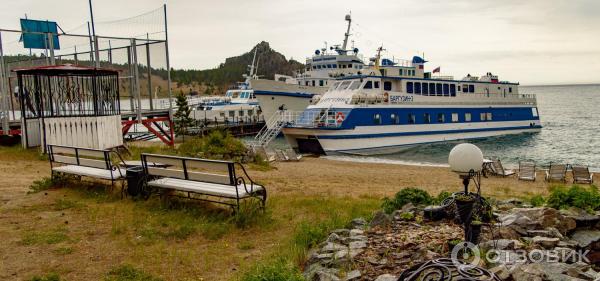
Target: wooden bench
[209,178]
[95,163]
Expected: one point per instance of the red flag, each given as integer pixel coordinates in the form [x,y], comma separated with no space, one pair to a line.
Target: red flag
[436,70]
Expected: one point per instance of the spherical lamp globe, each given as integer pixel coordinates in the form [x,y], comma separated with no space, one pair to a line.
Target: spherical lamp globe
[465,158]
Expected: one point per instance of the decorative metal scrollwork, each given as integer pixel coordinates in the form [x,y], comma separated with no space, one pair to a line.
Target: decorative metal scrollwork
[446,269]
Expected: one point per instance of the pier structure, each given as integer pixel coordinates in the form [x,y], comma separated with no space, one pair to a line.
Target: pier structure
[136,48]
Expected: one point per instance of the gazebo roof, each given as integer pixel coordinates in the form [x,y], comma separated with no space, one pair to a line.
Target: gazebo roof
[65,69]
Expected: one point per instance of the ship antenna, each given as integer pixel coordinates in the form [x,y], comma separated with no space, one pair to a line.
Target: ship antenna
[378,56]
[349,19]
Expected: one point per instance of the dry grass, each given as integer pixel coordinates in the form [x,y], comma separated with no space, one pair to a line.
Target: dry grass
[59,230]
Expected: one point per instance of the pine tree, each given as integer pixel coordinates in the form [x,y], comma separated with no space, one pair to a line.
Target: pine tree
[182,116]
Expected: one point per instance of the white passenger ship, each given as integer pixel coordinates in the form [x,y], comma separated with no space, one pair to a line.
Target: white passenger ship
[238,105]
[294,93]
[391,107]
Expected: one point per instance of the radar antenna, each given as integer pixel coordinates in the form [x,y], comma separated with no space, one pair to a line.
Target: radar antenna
[347,34]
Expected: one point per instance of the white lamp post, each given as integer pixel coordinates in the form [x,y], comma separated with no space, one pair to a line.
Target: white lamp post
[466,160]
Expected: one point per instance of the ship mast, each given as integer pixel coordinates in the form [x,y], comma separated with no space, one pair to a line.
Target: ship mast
[347,34]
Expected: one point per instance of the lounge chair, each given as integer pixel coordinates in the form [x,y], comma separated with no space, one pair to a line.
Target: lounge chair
[527,170]
[499,170]
[557,172]
[581,174]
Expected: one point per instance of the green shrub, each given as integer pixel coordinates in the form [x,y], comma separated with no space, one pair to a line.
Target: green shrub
[40,185]
[408,195]
[217,145]
[576,196]
[129,273]
[443,195]
[278,270]
[537,200]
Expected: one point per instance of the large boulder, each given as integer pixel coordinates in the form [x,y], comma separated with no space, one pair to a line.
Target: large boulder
[524,219]
[381,219]
[586,237]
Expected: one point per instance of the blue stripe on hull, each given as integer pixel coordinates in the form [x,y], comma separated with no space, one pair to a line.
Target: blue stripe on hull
[287,94]
[364,136]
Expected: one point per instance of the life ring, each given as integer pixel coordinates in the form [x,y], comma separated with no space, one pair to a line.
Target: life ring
[339,117]
[386,97]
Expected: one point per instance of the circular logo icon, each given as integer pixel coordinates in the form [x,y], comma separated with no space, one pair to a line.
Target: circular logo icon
[465,255]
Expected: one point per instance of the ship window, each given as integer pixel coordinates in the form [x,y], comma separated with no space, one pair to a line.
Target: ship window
[425,89]
[368,85]
[471,88]
[489,116]
[446,90]
[465,88]
[401,72]
[411,119]
[395,118]
[355,85]
[454,117]
[431,89]
[438,89]
[307,83]
[335,85]
[409,87]
[534,111]
[313,83]
[344,85]
[482,116]
[387,86]
[510,89]
[377,119]
[441,118]
[321,83]
[417,88]
[426,118]
[241,113]
[335,66]
[458,88]
[222,114]
[468,117]
[231,113]
[453,90]
[376,85]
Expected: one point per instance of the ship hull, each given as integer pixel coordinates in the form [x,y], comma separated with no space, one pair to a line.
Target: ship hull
[370,141]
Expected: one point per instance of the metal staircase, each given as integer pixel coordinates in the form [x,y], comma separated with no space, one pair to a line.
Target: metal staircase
[272,128]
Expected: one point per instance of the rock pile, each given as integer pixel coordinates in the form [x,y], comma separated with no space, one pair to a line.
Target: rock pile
[525,243]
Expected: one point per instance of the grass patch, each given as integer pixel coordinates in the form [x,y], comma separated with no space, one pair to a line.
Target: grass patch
[44,237]
[63,251]
[279,270]
[64,204]
[47,277]
[323,215]
[42,184]
[127,272]
[245,245]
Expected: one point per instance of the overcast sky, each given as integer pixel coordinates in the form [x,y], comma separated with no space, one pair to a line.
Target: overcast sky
[532,42]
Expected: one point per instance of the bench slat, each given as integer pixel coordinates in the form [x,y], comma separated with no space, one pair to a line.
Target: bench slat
[212,166]
[197,176]
[65,159]
[163,172]
[164,160]
[202,187]
[92,163]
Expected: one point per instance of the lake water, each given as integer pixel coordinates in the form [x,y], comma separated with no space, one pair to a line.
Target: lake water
[570,118]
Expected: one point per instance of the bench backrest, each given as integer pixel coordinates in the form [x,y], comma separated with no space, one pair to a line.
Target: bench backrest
[195,169]
[527,167]
[88,157]
[580,171]
[557,171]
